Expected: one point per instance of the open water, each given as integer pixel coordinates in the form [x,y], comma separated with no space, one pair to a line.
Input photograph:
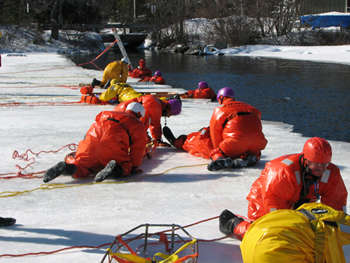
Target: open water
[314,97]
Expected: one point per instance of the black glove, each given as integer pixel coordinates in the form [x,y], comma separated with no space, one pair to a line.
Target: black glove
[228,221]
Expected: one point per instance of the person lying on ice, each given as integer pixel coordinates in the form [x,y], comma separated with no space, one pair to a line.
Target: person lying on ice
[154,110]
[121,91]
[203,92]
[115,143]
[115,70]
[157,78]
[234,137]
[290,181]
[314,233]
[141,71]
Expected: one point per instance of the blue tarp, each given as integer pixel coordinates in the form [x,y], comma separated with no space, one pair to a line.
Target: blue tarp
[327,20]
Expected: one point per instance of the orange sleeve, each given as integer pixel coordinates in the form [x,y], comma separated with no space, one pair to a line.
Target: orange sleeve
[333,191]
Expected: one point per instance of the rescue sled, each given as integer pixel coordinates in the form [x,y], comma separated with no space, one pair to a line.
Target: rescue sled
[153,243]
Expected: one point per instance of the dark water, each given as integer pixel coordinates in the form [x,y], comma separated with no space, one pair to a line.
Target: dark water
[313,97]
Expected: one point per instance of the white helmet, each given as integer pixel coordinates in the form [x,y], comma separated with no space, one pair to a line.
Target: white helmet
[125,60]
[136,107]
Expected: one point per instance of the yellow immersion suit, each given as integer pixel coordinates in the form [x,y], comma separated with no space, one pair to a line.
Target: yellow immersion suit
[122,91]
[315,233]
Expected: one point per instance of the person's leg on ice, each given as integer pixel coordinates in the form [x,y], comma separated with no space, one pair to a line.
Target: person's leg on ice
[230,223]
[176,142]
[61,168]
[112,170]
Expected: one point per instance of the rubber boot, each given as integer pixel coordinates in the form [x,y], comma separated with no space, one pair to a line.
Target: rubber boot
[7,221]
[220,163]
[62,168]
[249,161]
[95,82]
[228,221]
[168,134]
[112,169]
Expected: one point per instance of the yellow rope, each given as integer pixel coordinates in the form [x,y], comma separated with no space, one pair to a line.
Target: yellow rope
[54,186]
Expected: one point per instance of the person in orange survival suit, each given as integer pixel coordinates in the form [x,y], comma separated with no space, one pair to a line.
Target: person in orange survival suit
[233,139]
[157,78]
[141,72]
[115,70]
[290,181]
[155,109]
[203,92]
[115,142]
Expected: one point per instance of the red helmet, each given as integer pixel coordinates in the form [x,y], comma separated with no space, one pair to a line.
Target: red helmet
[142,62]
[317,150]
[202,85]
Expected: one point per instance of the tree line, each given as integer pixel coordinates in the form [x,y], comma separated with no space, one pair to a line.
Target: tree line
[236,22]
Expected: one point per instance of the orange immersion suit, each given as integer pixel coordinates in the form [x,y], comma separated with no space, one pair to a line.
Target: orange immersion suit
[153,113]
[280,184]
[235,131]
[207,93]
[156,80]
[115,136]
[140,72]
[115,70]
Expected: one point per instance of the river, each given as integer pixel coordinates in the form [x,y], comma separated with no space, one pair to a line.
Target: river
[314,97]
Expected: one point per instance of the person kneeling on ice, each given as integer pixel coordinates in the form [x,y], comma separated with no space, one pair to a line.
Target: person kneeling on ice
[115,70]
[290,181]
[141,72]
[233,139]
[157,78]
[203,92]
[154,110]
[313,233]
[115,143]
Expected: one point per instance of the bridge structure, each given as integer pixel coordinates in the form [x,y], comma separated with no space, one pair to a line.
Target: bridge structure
[132,35]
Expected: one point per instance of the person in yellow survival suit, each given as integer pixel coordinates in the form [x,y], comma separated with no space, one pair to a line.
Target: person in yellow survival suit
[290,181]
[314,233]
[234,137]
[155,108]
[122,91]
[115,70]
[113,146]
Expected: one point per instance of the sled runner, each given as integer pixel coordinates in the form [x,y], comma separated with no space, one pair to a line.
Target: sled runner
[143,245]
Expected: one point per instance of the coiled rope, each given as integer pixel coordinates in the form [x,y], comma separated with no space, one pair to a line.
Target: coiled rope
[25,157]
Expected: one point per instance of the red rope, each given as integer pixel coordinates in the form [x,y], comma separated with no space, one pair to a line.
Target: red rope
[126,240]
[25,157]
[75,103]
[52,252]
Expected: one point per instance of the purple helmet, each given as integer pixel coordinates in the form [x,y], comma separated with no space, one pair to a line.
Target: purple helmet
[158,73]
[175,106]
[202,85]
[225,92]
